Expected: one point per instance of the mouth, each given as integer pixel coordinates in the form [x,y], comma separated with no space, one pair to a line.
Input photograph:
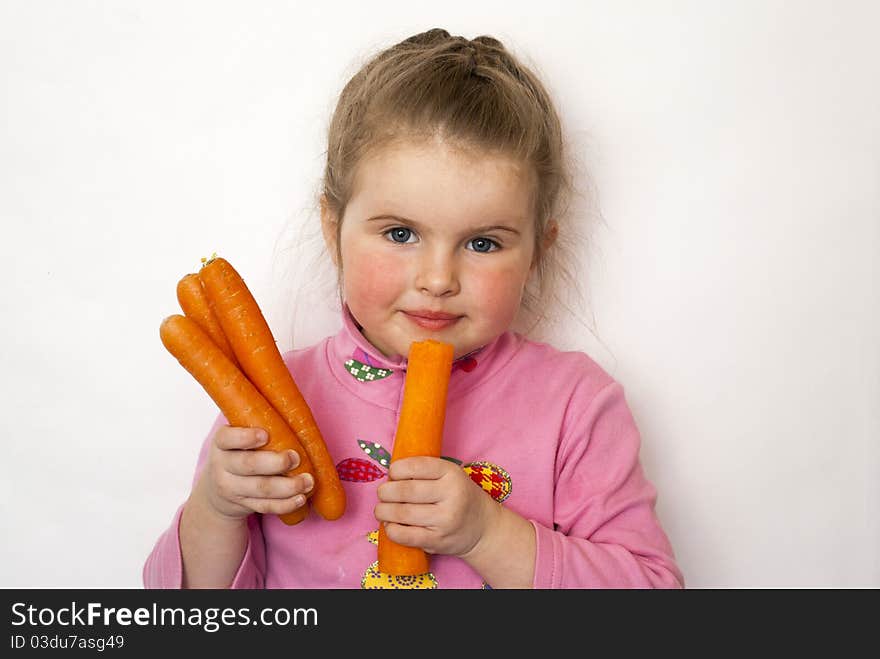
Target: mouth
[433,320]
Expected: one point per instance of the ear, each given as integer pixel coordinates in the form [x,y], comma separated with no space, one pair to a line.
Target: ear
[547,239]
[330,229]
[550,235]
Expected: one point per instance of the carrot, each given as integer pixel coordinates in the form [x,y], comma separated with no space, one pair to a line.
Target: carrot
[233,393]
[254,347]
[192,299]
[419,432]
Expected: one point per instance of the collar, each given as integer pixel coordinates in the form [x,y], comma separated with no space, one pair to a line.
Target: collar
[362,369]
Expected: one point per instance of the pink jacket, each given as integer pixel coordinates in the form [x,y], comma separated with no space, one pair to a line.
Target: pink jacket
[545,432]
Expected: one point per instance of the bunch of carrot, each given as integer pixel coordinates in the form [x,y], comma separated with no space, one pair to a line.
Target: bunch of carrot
[419,432]
[225,343]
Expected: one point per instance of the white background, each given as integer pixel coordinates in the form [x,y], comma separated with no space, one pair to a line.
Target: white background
[733,284]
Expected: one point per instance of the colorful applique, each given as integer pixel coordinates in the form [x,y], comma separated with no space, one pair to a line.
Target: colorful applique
[358,470]
[364,373]
[376,452]
[373,579]
[466,364]
[493,479]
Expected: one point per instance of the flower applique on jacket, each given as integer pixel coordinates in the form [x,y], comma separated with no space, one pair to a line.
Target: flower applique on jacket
[360,367]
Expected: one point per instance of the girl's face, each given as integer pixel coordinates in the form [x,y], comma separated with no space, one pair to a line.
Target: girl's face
[436,242]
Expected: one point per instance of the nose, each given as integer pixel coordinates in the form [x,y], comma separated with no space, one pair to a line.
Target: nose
[437,274]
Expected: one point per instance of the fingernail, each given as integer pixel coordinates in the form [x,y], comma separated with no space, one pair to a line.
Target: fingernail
[309,482]
[294,458]
[262,437]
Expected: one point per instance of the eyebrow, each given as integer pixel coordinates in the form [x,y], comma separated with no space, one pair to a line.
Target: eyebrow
[479,229]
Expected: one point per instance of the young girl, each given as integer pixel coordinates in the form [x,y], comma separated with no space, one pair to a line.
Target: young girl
[441,209]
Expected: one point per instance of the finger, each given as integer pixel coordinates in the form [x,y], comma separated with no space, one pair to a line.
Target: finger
[423,467]
[233,437]
[410,536]
[260,463]
[268,487]
[405,513]
[409,491]
[274,506]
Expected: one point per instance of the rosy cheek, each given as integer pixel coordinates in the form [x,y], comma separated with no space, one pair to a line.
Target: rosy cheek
[504,288]
[369,281]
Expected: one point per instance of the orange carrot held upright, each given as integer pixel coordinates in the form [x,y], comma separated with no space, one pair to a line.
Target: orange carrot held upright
[419,432]
[254,347]
[194,303]
[233,393]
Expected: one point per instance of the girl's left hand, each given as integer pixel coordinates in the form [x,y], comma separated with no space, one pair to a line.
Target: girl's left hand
[433,504]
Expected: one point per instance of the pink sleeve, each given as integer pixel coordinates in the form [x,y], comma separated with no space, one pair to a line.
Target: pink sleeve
[606,533]
[164,565]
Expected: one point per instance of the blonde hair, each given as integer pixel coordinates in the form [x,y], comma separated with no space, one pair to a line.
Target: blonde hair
[475,93]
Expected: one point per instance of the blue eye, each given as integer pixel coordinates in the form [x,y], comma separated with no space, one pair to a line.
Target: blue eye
[404,235]
[400,234]
[484,245]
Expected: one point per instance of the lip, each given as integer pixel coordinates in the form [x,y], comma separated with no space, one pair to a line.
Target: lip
[435,320]
[432,315]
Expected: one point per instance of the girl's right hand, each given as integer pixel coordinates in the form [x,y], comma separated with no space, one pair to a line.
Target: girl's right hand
[239,480]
